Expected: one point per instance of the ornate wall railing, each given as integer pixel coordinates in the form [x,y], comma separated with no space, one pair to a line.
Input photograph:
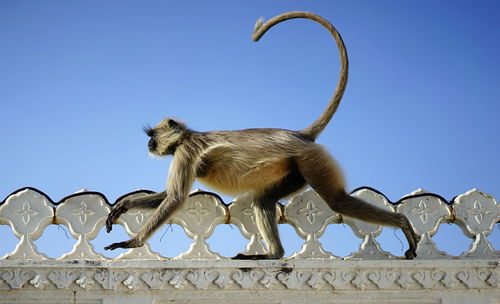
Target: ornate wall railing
[87,276]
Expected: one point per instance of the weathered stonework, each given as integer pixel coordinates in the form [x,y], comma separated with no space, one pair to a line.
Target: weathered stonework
[199,275]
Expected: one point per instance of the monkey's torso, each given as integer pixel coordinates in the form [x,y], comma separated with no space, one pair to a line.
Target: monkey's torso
[261,158]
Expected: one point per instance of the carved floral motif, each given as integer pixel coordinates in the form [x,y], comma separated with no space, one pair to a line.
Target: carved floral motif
[26,212]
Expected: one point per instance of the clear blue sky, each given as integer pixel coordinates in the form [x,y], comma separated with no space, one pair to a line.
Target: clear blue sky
[79,79]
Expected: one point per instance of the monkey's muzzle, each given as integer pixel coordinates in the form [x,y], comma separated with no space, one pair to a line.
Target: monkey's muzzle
[152,145]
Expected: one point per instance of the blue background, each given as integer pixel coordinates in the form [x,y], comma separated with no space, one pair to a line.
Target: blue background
[79,79]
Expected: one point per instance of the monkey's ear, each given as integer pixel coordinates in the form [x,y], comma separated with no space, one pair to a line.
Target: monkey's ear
[173,124]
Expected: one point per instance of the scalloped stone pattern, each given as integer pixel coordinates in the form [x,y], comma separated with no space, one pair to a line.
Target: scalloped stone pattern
[199,275]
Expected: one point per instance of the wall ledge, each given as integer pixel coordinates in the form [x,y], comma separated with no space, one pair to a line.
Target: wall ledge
[326,275]
[200,276]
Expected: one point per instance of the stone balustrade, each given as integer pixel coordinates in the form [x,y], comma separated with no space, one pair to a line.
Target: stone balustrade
[85,275]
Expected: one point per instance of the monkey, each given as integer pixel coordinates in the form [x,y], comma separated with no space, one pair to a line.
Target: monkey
[268,164]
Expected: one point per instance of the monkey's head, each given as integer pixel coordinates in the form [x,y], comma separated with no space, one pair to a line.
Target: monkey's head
[165,137]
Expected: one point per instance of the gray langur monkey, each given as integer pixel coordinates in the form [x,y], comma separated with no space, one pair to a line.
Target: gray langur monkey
[269,164]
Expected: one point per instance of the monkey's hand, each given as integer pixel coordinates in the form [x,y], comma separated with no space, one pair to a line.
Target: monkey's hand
[115,213]
[132,243]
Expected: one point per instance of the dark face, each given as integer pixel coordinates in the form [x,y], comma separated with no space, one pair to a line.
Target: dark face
[152,144]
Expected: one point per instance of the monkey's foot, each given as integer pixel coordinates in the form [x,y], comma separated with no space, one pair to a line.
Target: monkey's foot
[410,254]
[125,244]
[241,256]
[412,251]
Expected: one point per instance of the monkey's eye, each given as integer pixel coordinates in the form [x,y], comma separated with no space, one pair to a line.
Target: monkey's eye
[149,131]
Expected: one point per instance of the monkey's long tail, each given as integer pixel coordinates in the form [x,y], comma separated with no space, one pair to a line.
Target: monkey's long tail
[315,128]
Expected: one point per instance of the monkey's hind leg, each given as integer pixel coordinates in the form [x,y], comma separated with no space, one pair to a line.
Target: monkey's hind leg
[149,201]
[354,207]
[265,218]
[265,215]
[323,175]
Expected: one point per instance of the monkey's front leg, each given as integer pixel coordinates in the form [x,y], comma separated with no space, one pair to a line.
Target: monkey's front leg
[166,208]
[181,178]
[149,201]
[125,244]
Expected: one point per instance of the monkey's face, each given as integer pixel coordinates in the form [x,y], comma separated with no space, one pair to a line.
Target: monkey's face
[152,144]
[165,137]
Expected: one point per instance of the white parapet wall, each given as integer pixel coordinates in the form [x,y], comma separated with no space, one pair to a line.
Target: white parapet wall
[310,275]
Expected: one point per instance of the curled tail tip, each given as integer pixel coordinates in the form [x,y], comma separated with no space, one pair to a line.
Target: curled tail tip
[257,26]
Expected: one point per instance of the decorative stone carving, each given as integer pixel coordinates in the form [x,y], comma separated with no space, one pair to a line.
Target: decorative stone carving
[311,275]
[179,280]
[477,213]
[85,282]
[246,278]
[269,279]
[323,277]
[133,221]
[425,213]
[243,216]
[132,282]
[369,248]
[156,279]
[102,277]
[28,213]
[310,215]
[201,278]
[17,278]
[223,281]
[39,282]
[292,279]
[84,214]
[199,216]
[63,278]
